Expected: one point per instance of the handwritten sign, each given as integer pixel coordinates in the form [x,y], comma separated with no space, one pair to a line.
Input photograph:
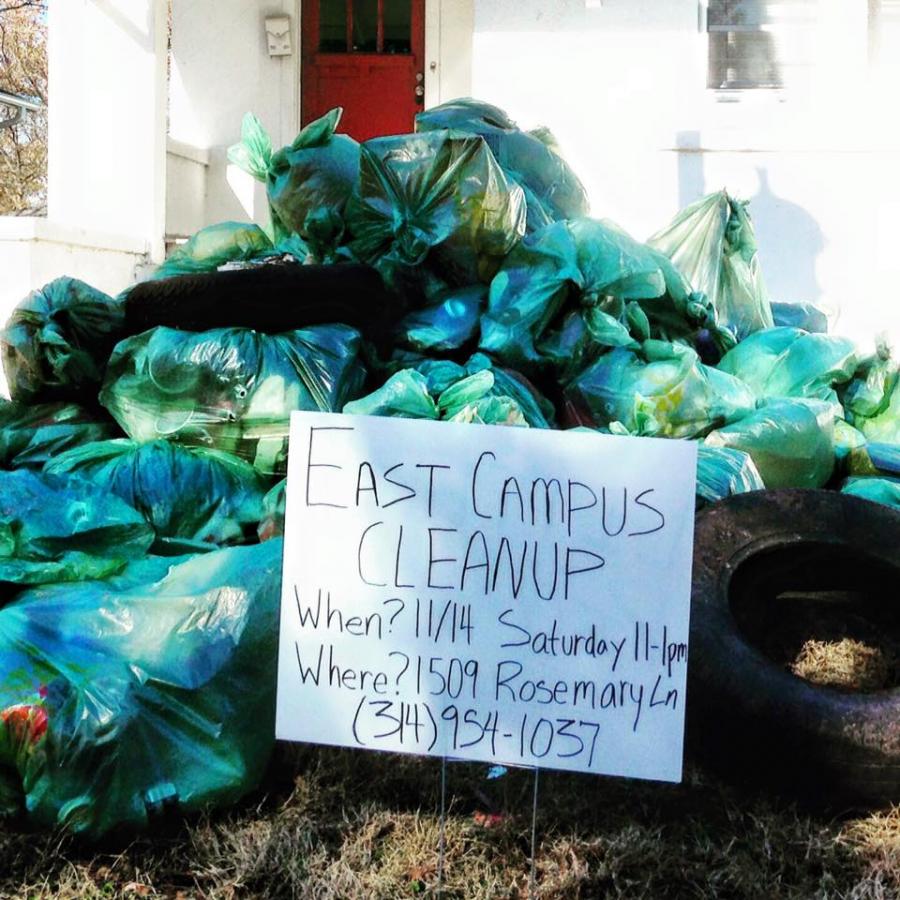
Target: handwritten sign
[488,593]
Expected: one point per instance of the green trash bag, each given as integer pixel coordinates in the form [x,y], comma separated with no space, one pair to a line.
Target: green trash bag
[231,389]
[404,395]
[64,529]
[791,442]
[124,704]
[878,490]
[666,392]
[308,183]
[478,392]
[847,441]
[723,472]
[434,204]
[447,323]
[871,399]
[30,435]
[530,159]
[57,341]
[884,427]
[215,246]
[790,362]
[272,523]
[868,393]
[713,244]
[568,293]
[186,494]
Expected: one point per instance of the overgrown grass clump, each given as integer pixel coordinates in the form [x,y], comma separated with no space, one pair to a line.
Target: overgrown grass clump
[343,824]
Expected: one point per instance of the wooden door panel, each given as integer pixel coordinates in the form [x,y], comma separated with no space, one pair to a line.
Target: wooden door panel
[378,90]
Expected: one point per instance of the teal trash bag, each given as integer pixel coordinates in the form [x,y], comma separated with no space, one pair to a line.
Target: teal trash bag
[791,442]
[274,504]
[441,374]
[214,246]
[186,494]
[308,183]
[568,293]
[530,159]
[488,410]
[790,362]
[23,725]
[871,399]
[492,394]
[478,392]
[665,392]
[807,316]
[449,321]
[31,435]
[404,395]
[57,341]
[712,243]
[430,205]
[230,389]
[878,490]
[723,472]
[123,705]
[55,528]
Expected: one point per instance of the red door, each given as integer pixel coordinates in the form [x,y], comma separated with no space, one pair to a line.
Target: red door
[366,56]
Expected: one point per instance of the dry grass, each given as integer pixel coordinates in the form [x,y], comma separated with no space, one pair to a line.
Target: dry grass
[340,824]
[847,665]
[876,839]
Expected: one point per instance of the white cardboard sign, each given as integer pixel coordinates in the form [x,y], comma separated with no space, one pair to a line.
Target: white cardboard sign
[487,593]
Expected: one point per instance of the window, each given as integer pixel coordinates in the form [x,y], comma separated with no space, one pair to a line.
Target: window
[333,26]
[365,26]
[759,43]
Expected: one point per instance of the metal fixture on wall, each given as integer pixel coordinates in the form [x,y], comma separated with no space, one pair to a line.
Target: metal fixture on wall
[20,105]
[278,35]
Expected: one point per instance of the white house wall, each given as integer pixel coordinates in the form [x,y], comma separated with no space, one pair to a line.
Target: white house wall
[220,69]
[107,146]
[622,84]
[187,182]
[107,105]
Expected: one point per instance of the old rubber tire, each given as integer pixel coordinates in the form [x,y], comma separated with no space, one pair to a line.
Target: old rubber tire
[751,716]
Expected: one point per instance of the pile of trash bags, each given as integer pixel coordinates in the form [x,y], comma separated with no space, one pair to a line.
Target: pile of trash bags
[451,274]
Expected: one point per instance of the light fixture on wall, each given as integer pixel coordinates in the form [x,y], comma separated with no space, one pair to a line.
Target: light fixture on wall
[278,35]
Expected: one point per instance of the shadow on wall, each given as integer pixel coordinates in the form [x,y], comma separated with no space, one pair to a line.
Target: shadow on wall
[790,241]
[788,236]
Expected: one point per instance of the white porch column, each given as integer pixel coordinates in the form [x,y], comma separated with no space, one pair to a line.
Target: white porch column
[107,125]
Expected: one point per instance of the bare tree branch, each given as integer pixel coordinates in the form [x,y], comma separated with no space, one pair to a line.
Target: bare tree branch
[23,4]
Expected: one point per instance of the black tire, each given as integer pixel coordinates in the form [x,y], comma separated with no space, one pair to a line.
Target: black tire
[269,298]
[750,716]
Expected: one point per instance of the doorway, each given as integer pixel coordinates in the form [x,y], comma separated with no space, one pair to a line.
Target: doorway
[366,56]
